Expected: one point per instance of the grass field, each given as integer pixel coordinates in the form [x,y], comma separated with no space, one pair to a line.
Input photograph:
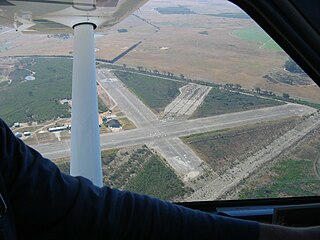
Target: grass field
[155,92]
[238,15]
[255,34]
[174,10]
[224,148]
[37,100]
[158,180]
[137,169]
[292,174]
[142,171]
[223,101]
[291,178]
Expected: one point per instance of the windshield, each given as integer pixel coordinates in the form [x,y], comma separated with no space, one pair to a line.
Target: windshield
[196,102]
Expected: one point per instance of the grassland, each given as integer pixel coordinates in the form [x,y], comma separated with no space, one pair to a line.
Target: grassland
[256,34]
[174,10]
[137,169]
[155,92]
[142,171]
[238,15]
[294,173]
[224,101]
[291,178]
[37,100]
[224,148]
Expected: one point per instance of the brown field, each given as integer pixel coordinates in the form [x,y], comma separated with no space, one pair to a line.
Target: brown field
[223,149]
[219,56]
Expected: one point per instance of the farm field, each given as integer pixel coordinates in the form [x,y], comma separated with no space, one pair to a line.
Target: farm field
[176,43]
[255,34]
[155,92]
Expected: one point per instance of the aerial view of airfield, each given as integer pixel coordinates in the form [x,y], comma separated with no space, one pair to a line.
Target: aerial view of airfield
[196,102]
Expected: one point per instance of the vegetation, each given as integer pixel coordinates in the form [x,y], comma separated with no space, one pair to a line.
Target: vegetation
[224,101]
[256,34]
[155,92]
[122,30]
[291,178]
[102,107]
[239,15]
[158,180]
[294,173]
[221,149]
[37,100]
[142,171]
[138,170]
[204,33]
[3,83]
[175,10]
[291,66]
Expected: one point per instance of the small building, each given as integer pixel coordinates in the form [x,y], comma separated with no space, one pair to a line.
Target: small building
[27,134]
[18,134]
[113,124]
[58,129]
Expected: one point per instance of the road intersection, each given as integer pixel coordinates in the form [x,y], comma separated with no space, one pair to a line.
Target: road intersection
[164,135]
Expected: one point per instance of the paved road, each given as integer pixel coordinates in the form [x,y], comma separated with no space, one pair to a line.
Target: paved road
[166,134]
[127,102]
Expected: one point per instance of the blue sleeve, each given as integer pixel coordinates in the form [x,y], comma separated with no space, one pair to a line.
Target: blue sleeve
[48,204]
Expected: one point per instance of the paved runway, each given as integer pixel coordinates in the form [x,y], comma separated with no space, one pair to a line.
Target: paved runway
[163,135]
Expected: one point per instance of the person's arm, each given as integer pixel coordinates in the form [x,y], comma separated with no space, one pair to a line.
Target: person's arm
[50,205]
[276,232]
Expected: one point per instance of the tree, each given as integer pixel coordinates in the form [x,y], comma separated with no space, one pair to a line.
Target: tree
[291,66]
[285,95]
[238,86]
[181,76]
[257,89]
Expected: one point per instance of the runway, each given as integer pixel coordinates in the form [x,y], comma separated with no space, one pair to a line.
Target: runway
[164,135]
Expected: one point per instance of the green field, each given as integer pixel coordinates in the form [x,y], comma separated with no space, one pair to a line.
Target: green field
[256,34]
[174,10]
[238,15]
[155,92]
[292,174]
[289,178]
[37,100]
[142,171]
[223,101]
[158,180]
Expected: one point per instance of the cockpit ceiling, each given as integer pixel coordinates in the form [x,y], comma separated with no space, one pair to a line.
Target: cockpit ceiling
[41,16]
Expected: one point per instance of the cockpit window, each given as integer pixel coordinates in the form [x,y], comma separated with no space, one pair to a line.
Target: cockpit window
[195,102]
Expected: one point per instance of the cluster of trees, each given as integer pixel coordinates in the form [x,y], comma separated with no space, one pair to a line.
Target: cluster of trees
[291,66]
[157,72]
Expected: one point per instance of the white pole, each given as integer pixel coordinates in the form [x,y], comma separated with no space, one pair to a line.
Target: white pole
[85,138]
